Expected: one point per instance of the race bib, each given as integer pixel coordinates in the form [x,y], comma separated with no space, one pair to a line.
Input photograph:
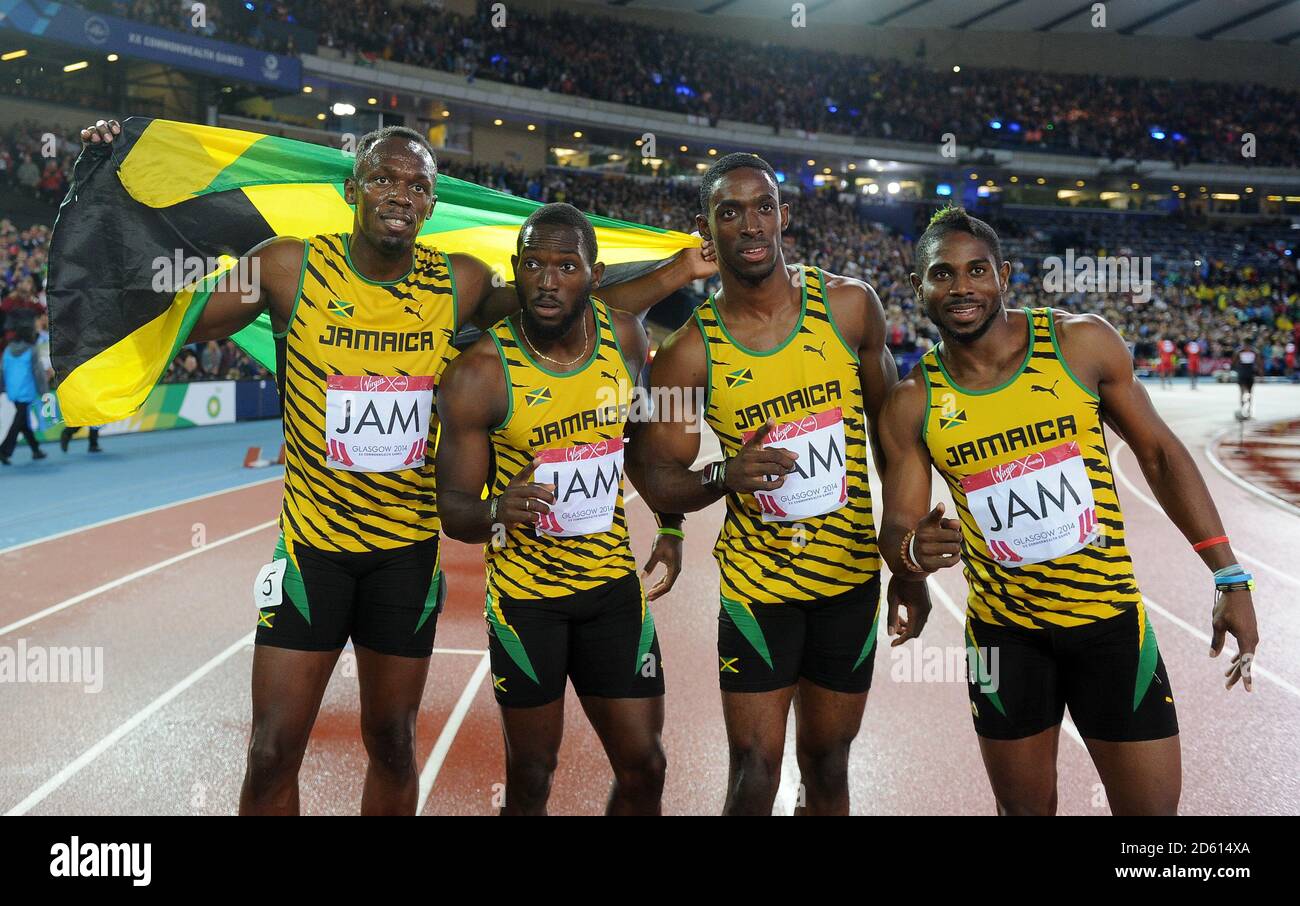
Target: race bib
[819,483]
[587,479]
[268,588]
[377,424]
[1035,508]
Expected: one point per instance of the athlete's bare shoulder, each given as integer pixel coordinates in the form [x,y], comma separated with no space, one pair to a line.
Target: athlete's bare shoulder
[906,403]
[631,334]
[856,308]
[682,359]
[1091,346]
[473,386]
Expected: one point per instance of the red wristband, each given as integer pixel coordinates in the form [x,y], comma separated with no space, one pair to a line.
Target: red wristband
[1209,542]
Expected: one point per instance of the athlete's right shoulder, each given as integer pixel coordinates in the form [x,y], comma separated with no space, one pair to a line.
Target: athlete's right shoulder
[683,355]
[907,401]
[281,261]
[475,382]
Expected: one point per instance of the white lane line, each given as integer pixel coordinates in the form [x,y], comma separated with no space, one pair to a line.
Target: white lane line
[1228,653]
[1119,473]
[132,515]
[1243,483]
[131,577]
[951,606]
[478,652]
[85,758]
[449,731]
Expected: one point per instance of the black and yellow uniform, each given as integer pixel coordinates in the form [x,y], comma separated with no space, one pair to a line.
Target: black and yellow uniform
[567,606]
[1051,582]
[780,571]
[359,365]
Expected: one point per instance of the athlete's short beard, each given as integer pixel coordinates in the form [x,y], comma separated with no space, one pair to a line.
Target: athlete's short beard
[549,333]
[972,335]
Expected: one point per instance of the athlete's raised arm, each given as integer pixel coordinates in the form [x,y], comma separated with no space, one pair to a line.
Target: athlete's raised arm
[667,549]
[483,301]
[471,402]
[1099,357]
[267,276]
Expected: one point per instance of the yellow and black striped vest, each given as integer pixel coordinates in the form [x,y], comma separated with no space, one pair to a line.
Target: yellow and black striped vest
[1009,431]
[344,325]
[552,410]
[812,371]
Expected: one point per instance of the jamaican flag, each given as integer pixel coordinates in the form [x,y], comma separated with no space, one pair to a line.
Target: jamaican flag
[166,193]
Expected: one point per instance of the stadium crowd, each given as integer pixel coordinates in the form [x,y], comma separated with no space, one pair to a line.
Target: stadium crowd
[1252,295]
[1222,303]
[781,87]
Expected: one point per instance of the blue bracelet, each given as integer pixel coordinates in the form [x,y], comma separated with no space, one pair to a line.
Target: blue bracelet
[1230,570]
[1236,579]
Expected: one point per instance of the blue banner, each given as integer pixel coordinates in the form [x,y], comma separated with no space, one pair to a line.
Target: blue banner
[111,34]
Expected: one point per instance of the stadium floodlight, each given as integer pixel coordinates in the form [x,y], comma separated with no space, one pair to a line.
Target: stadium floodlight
[73,67]
[12,55]
[341,109]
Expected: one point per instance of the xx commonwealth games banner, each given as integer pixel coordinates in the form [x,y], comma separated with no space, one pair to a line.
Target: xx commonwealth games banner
[164,189]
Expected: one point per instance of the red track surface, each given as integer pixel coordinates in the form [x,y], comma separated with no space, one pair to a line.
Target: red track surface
[167,732]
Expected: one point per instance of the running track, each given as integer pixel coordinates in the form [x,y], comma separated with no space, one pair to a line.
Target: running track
[166,734]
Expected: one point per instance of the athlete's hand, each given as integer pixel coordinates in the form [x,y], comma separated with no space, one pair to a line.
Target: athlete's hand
[702,261]
[524,501]
[756,468]
[101,132]
[1235,613]
[938,541]
[915,599]
[667,551]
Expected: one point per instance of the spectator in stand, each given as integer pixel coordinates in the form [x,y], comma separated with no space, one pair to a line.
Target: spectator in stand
[22,379]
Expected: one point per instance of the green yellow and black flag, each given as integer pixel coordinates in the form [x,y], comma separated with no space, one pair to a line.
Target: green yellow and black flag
[164,189]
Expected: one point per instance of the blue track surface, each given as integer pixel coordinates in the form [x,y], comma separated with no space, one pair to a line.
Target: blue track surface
[135,472]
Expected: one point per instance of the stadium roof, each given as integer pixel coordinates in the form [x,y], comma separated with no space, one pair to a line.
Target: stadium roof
[1229,20]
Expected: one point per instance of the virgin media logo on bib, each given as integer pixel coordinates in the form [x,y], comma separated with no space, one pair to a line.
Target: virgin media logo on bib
[1035,508]
[587,479]
[377,423]
[819,483]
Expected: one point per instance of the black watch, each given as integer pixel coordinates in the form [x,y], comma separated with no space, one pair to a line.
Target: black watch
[714,476]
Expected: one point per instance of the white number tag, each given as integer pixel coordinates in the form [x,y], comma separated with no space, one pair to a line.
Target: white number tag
[268,589]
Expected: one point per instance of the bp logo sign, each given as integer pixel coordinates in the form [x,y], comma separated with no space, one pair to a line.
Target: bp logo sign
[214,406]
[96,30]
